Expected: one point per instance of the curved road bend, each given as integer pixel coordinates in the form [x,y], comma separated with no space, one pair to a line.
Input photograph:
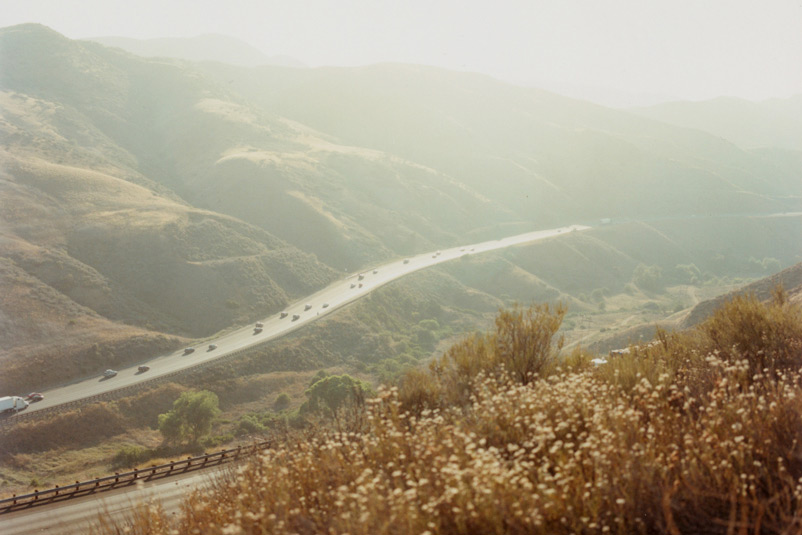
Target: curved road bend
[334,296]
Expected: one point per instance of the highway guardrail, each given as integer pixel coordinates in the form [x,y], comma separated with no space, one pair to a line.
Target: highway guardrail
[119,480]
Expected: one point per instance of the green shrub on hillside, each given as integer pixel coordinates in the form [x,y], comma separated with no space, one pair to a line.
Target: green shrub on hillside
[330,394]
[282,402]
[249,424]
[648,278]
[688,274]
[190,418]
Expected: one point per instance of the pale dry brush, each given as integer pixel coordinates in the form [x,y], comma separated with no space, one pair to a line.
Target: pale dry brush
[705,443]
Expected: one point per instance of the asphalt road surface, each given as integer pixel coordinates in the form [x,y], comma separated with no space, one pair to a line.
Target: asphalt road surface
[75,517]
[307,310]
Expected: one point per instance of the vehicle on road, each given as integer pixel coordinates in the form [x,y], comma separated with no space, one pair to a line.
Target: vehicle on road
[360,285]
[109,373]
[307,306]
[353,285]
[34,396]
[259,325]
[12,404]
[257,330]
[325,305]
[406,260]
[212,347]
[143,368]
[283,315]
[361,276]
[188,350]
[375,271]
[295,317]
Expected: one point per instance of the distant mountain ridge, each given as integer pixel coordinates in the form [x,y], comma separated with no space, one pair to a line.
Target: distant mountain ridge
[773,123]
[208,47]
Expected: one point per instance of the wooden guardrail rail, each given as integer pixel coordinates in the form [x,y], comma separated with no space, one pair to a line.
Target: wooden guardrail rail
[119,480]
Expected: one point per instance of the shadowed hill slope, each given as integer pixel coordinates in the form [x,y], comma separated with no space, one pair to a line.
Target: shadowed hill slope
[789,279]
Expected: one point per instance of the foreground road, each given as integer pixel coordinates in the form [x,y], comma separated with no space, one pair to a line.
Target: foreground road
[313,307]
[77,516]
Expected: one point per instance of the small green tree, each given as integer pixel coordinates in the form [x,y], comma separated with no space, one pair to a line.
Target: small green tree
[688,273]
[649,278]
[282,402]
[597,295]
[331,393]
[191,416]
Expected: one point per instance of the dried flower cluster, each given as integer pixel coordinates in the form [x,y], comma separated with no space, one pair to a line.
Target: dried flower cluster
[677,437]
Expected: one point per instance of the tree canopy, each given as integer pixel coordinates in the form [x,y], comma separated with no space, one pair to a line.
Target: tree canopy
[333,392]
[191,416]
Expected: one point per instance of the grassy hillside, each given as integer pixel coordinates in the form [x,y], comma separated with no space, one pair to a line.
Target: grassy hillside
[98,253]
[178,199]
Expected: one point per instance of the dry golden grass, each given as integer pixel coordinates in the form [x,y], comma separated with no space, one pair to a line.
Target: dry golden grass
[677,437]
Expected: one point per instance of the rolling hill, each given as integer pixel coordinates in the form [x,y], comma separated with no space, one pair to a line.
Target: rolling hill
[209,47]
[143,200]
[771,123]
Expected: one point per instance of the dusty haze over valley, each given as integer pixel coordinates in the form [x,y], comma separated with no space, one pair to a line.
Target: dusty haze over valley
[272,211]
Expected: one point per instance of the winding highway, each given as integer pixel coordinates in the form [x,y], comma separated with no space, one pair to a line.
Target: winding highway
[298,314]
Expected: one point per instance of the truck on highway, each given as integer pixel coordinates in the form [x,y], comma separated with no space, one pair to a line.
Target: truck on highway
[12,404]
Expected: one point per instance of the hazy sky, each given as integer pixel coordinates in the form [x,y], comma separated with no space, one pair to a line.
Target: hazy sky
[687,49]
